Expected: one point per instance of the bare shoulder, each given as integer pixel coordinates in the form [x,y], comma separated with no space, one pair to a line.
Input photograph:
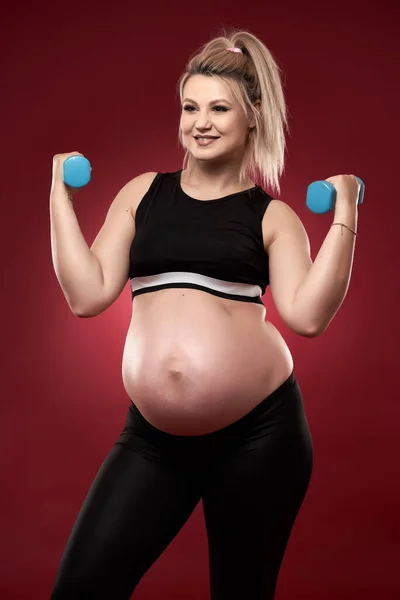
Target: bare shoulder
[279,219]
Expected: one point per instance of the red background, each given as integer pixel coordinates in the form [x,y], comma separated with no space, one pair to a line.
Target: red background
[101,80]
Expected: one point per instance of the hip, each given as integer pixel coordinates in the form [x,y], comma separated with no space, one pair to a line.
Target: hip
[276,427]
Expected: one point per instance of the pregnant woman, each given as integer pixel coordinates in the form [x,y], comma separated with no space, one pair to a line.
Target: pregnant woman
[215,413]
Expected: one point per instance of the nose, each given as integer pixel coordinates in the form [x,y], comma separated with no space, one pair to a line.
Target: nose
[203,121]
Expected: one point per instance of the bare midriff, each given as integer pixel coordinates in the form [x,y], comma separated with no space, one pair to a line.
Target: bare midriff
[194,363]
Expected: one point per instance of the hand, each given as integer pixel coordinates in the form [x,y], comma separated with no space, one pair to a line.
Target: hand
[57,181]
[347,189]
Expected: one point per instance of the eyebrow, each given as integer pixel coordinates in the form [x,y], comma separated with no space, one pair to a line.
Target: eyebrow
[213,102]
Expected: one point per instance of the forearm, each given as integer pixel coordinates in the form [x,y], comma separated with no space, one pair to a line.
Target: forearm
[321,294]
[77,269]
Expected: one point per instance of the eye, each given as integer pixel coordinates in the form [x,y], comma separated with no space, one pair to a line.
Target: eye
[187,108]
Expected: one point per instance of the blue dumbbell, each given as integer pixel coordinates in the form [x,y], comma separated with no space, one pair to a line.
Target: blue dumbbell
[321,196]
[76,171]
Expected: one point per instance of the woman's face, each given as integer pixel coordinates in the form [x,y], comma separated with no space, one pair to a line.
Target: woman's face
[208,108]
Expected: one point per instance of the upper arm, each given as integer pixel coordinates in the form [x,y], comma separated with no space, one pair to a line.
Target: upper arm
[289,262]
[112,243]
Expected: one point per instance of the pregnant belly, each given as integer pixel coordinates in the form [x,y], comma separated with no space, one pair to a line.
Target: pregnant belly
[193,363]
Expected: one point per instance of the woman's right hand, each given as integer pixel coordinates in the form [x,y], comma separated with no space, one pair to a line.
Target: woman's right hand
[58,179]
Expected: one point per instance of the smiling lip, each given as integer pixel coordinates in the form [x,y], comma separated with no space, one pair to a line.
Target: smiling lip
[205,141]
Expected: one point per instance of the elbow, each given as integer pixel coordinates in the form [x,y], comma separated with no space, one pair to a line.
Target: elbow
[89,313]
[306,329]
[309,332]
[303,329]
[313,332]
[80,314]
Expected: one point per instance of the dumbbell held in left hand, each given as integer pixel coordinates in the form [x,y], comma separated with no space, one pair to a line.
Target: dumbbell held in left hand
[321,196]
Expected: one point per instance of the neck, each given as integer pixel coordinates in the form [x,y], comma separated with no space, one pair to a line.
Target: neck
[219,178]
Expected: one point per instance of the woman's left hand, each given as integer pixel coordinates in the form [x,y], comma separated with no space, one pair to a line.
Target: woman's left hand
[347,188]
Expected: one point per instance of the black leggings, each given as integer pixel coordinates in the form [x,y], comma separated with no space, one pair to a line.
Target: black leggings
[252,477]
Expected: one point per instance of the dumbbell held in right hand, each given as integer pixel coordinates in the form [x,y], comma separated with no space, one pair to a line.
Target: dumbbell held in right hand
[76,171]
[71,170]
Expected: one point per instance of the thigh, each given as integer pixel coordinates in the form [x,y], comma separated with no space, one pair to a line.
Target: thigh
[251,502]
[135,507]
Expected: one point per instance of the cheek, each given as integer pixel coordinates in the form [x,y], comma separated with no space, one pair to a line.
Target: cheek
[232,128]
[185,127]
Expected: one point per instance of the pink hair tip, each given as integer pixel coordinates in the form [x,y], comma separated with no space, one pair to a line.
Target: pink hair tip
[235,50]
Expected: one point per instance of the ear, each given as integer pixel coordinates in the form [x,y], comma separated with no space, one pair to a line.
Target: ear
[252,121]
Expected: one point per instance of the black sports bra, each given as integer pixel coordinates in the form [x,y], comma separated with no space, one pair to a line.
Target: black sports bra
[213,245]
